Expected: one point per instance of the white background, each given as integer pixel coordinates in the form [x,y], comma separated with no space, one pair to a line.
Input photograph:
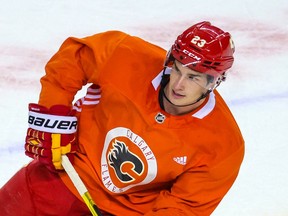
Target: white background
[256,90]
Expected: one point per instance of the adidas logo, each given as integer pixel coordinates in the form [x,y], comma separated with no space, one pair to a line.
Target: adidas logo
[181,160]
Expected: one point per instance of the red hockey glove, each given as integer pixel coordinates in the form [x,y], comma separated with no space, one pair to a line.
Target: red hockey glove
[51,134]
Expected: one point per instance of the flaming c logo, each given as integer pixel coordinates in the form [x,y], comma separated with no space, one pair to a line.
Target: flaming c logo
[126,161]
[125,164]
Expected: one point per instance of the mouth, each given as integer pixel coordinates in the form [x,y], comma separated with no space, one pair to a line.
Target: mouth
[177,95]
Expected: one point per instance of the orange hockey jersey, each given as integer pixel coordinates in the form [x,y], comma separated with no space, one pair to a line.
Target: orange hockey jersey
[135,158]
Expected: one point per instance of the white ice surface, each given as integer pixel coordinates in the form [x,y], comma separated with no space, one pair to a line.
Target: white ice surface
[31,32]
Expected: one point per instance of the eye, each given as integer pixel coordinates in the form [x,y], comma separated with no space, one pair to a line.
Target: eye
[193,77]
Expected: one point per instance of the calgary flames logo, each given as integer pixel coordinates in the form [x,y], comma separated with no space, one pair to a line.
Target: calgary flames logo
[126,165]
[126,161]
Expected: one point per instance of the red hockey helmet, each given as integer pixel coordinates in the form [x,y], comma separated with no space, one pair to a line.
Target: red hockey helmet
[203,48]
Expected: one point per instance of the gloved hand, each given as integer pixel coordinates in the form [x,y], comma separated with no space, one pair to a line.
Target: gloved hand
[51,134]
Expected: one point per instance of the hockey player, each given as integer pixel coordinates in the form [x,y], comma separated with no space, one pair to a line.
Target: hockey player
[145,140]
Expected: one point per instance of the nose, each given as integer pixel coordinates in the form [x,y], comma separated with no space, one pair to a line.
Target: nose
[179,83]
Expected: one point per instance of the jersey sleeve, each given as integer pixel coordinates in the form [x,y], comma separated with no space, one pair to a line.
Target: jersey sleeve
[77,62]
[200,190]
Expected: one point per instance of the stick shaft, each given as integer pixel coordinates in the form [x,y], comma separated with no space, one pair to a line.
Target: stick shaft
[81,188]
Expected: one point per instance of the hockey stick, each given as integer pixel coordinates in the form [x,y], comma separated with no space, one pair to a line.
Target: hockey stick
[81,188]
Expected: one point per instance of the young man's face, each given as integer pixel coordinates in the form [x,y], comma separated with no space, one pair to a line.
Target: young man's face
[186,85]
